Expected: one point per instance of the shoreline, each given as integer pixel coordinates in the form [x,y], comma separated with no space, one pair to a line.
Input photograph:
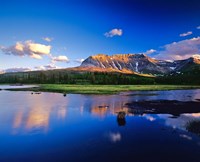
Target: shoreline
[102,89]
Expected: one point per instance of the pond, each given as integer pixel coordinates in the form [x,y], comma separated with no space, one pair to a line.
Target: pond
[50,127]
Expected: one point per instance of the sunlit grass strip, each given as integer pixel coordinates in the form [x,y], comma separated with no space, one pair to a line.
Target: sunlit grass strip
[108,89]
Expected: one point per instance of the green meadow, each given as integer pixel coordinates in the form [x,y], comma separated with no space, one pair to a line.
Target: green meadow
[106,89]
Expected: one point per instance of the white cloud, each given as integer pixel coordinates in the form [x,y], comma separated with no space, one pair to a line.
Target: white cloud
[198,27]
[186,34]
[27,48]
[47,39]
[114,32]
[79,60]
[37,48]
[60,59]
[150,51]
[180,50]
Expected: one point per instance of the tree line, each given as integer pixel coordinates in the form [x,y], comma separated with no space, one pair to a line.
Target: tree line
[74,78]
[64,77]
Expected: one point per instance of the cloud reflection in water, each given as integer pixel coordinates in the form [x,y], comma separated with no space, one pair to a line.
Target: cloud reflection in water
[114,136]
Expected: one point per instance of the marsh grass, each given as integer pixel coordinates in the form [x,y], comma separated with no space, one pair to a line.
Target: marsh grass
[107,89]
[102,89]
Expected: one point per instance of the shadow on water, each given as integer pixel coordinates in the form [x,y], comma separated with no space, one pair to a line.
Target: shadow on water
[172,107]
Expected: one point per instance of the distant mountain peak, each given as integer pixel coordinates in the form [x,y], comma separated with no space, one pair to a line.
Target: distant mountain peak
[137,63]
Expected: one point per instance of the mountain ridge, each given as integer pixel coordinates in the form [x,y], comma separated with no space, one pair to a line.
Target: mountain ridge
[138,63]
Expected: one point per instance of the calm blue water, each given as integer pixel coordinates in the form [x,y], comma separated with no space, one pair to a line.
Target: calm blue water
[51,127]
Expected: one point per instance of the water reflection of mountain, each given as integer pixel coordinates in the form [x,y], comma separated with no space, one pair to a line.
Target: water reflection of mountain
[105,105]
[35,115]
[34,112]
[39,118]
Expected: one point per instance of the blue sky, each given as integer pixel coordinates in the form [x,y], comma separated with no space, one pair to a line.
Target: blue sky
[76,29]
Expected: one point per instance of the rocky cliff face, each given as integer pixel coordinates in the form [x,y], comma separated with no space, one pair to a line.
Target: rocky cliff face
[138,63]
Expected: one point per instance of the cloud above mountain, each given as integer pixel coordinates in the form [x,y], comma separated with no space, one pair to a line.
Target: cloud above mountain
[27,48]
[114,32]
[60,59]
[180,50]
[79,60]
[148,52]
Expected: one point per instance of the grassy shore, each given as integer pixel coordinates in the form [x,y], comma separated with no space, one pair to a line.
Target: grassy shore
[106,89]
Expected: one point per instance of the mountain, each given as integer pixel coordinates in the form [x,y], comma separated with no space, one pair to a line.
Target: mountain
[139,64]
[116,69]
